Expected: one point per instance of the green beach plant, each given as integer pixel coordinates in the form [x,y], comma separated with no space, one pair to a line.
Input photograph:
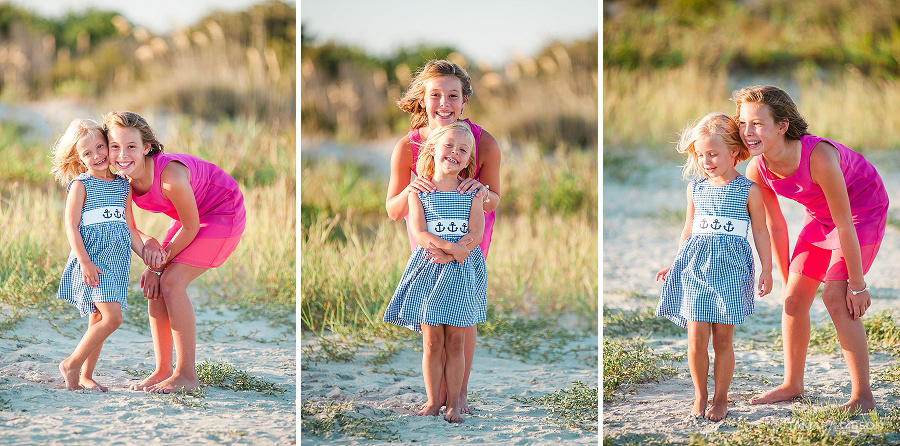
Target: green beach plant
[575,407]
[629,362]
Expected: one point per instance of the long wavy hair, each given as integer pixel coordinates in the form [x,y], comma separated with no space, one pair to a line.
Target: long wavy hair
[411,102]
[711,125]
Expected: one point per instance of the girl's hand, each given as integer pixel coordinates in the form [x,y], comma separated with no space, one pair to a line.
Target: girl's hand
[437,255]
[661,275]
[150,284]
[468,185]
[421,185]
[857,304]
[91,274]
[154,258]
[765,283]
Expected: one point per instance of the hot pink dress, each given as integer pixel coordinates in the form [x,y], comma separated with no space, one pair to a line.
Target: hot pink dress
[416,139]
[868,197]
[219,202]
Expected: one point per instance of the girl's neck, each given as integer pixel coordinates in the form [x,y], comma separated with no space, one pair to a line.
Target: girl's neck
[445,182]
[724,179]
[784,159]
[142,180]
[105,175]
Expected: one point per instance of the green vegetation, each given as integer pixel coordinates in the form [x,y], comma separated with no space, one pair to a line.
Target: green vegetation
[334,420]
[575,407]
[834,58]
[226,376]
[882,333]
[640,322]
[630,362]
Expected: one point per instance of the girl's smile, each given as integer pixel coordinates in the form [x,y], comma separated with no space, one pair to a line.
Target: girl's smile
[451,152]
[93,153]
[443,101]
[716,159]
[127,150]
[758,128]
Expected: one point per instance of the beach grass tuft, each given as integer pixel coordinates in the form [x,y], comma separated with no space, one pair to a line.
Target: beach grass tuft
[575,407]
[335,420]
[639,322]
[629,362]
[812,412]
[331,350]
[226,376]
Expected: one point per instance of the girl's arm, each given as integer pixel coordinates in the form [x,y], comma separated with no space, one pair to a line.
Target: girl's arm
[399,186]
[419,229]
[825,169]
[137,243]
[489,175]
[74,203]
[757,211]
[685,232]
[176,186]
[774,221]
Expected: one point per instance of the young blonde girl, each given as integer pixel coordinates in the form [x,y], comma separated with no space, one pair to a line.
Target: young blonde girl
[442,299]
[100,229]
[438,96]
[709,288]
[846,212]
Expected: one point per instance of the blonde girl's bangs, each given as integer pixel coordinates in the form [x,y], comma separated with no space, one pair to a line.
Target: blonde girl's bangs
[66,162]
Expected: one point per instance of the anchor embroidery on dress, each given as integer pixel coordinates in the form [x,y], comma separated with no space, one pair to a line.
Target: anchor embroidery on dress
[715,224]
[729,227]
[117,214]
[464,228]
[439,227]
[452,227]
[106,214]
[703,224]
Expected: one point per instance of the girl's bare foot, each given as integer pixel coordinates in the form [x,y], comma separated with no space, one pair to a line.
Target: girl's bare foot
[717,412]
[174,384]
[70,374]
[151,380]
[430,409]
[699,408]
[778,394]
[861,404]
[453,416]
[90,384]
[464,406]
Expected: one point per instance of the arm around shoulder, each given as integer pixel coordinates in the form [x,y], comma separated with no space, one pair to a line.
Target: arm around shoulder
[489,153]
[396,202]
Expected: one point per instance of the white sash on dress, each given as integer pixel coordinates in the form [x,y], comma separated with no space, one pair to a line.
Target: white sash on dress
[103,215]
[714,224]
[448,226]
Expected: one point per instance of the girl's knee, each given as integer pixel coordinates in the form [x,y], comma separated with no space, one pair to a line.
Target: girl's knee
[112,319]
[433,341]
[455,341]
[722,344]
[834,299]
[796,305]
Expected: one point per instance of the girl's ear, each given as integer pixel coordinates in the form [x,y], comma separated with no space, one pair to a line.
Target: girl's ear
[147,148]
[783,126]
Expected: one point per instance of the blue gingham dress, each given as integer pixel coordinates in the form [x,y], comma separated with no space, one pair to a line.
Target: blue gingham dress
[434,294]
[108,244]
[712,277]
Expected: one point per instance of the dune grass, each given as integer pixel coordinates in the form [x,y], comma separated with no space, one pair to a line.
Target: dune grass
[640,322]
[629,362]
[336,420]
[575,407]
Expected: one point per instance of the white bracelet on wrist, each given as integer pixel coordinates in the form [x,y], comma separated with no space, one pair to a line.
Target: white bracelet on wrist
[865,288]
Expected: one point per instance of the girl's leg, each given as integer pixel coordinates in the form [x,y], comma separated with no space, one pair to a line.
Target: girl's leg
[86,379]
[698,362]
[852,335]
[722,339]
[111,319]
[173,284]
[799,294]
[432,366]
[471,336]
[454,369]
[161,332]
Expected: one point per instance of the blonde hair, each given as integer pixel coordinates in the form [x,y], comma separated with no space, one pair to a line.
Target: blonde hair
[713,124]
[425,163]
[779,102]
[411,100]
[66,163]
[131,120]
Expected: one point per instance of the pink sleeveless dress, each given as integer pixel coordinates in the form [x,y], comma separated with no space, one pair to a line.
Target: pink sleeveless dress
[219,202]
[416,139]
[868,197]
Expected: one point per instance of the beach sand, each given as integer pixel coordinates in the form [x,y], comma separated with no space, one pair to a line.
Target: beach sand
[647,211]
[395,397]
[41,411]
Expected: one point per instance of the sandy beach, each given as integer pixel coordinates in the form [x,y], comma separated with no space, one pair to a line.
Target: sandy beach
[394,391]
[647,210]
[40,411]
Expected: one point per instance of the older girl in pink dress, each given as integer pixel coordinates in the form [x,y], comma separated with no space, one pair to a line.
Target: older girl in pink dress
[207,211]
[437,97]
[846,212]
